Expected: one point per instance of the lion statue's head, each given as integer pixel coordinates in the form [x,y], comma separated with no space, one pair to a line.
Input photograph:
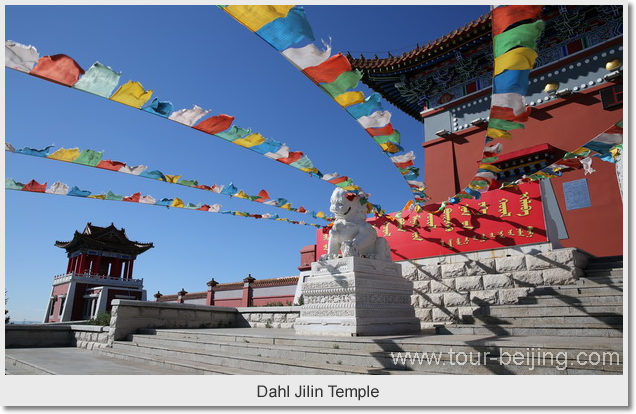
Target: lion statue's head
[347,206]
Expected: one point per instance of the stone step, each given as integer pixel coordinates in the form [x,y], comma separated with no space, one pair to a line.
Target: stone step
[533,331]
[463,360]
[16,366]
[344,350]
[600,262]
[568,321]
[551,300]
[176,364]
[577,291]
[560,309]
[600,280]
[233,360]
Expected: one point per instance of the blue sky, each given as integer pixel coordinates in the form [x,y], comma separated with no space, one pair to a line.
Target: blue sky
[192,55]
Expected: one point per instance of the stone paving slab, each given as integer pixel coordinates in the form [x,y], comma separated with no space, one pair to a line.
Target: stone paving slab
[76,361]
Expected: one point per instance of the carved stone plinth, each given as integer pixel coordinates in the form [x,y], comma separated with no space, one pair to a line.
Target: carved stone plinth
[355,296]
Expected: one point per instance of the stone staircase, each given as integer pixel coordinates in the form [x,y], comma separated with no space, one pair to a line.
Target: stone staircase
[593,307]
[258,351]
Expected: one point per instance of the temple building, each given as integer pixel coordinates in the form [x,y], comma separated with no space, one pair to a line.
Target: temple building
[100,269]
[575,93]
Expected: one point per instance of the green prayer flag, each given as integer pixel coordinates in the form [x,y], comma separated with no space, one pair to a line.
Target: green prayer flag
[10,184]
[234,133]
[525,35]
[345,183]
[89,157]
[111,196]
[188,183]
[504,125]
[394,138]
[489,160]
[346,80]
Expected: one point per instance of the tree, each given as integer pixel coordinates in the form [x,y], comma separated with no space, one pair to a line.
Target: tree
[6,318]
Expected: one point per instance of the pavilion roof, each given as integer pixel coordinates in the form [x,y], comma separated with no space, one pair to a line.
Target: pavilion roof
[107,238]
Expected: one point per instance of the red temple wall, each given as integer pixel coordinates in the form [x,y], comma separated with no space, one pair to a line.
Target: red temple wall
[565,124]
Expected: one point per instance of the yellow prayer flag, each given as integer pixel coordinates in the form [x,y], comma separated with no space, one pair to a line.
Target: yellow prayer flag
[351,188]
[177,203]
[498,133]
[286,206]
[615,151]
[308,170]
[68,155]
[520,58]
[350,98]
[172,178]
[131,94]
[241,194]
[98,196]
[251,140]
[489,167]
[320,214]
[390,147]
[255,17]
[238,213]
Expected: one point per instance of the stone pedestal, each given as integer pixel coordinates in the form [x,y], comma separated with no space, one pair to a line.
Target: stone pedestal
[355,296]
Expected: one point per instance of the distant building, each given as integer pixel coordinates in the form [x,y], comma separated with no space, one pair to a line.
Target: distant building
[100,269]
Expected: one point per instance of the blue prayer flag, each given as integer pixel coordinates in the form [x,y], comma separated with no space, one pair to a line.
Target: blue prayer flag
[285,32]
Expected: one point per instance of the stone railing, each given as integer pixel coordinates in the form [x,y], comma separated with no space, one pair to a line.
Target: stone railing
[282,317]
[448,289]
[46,335]
[90,336]
[129,315]
[95,278]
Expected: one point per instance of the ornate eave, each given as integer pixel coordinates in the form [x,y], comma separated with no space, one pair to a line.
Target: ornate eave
[105,239]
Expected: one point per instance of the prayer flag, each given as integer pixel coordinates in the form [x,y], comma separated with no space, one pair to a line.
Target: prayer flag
[234,133]
[136,170]
[349,98]
[188,117]
[503,17]
[112,196]
[10,184]
[133,198]
[215,124]
[99,80]
[89,157]
[177,203]
[344,82]
[19,57]
[160,108]
[521,58]
[329,70]
[58,188]
[504,125]
[131,94]
[287,31]
[525,35]
[376,132]
[76,192]
[37,153]
[110,165]
[58,68]
[155,174]
[250,140]
[366,108]
[514,101]
[307,56]
[255,17]
[378,119]
[68,155]
[511,81]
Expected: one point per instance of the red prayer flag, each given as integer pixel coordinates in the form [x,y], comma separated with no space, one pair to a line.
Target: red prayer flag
[329,70]
[35,187]
[133,198]
[204,207]
[203,187]
[338,180]
[507,114]
[59,69]
[215,124]
[503,17]
[263,195]
[302,209]
[110,165]
[293,157]
[403,164]
[378,132]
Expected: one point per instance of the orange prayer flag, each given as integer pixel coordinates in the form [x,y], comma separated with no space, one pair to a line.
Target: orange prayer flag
[329,70]
[59,69]
[215,124]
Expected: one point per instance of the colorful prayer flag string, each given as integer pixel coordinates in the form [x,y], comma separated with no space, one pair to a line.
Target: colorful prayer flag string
[59,188]
[101,80]
[332,74]
[515,31]
[605,146]
[95,159]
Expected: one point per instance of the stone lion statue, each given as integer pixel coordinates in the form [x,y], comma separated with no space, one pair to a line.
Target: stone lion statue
[351,235]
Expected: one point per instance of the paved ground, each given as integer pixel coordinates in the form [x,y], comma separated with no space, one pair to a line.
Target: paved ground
[74,361]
